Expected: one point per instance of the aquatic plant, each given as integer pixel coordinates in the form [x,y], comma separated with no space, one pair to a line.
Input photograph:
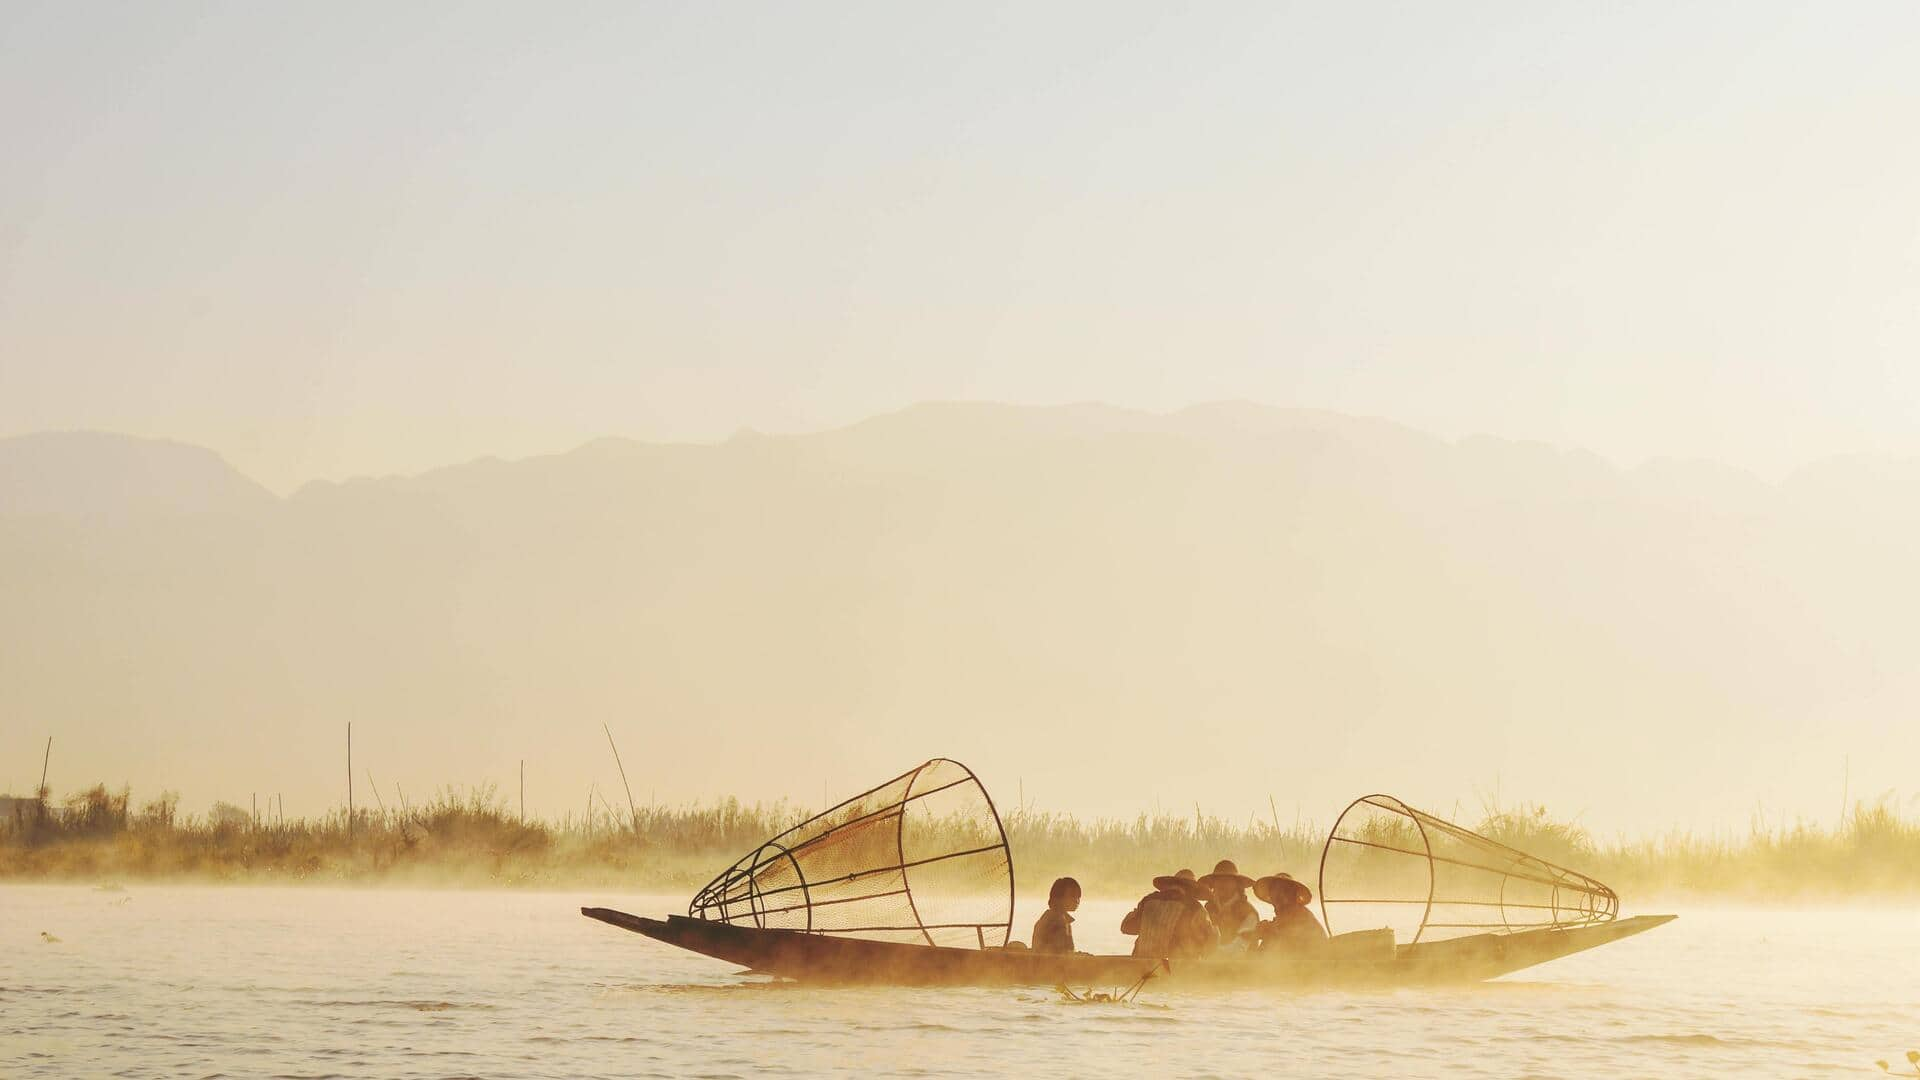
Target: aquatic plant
[1913,1062]
[1531,829]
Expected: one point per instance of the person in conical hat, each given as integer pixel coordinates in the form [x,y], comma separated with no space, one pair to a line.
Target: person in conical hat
[1170,921]
[1180,881]
[1233,915]
[1277,889]
[1293,924]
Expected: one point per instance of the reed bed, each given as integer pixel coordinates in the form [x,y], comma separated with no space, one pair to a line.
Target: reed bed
[469,837]
[456,836]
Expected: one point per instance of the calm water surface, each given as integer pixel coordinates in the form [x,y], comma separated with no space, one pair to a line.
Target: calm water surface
[312,982]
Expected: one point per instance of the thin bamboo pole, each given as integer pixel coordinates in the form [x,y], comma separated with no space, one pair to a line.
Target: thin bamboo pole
[631,808]
[40,793]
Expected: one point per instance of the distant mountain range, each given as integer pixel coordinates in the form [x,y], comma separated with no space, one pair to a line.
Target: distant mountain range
[1102,608]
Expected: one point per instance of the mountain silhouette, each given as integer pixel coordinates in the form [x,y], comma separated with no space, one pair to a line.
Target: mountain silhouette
[89,472]
[1104,608]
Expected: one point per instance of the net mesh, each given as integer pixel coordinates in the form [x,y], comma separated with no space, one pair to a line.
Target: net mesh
[921,859]
[1387,864]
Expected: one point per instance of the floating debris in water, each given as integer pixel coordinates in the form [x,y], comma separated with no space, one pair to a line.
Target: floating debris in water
[1112,997]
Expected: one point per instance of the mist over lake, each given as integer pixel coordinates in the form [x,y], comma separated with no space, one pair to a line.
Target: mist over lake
[1429,491]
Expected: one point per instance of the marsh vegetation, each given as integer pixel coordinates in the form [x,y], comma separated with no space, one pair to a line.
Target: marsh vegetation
[471,836]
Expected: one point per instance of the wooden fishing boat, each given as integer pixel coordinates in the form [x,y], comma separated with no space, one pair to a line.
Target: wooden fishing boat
[1358,959]
[911,884]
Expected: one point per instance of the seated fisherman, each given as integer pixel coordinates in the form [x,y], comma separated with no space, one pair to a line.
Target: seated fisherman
[1293,924]
[1170,921]
[1227,905]
[1053,933]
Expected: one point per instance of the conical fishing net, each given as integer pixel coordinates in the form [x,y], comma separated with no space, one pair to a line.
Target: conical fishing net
[1387,864]
[922,859]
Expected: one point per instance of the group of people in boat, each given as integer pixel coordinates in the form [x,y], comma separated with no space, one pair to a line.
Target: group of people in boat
[1188,916]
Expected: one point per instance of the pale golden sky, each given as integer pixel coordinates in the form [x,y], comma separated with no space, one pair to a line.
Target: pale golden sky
[374,238]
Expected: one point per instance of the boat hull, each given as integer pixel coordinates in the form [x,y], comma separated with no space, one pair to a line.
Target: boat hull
[1369,958]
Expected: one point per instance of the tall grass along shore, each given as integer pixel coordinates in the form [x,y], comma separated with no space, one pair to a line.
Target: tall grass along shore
[470,838]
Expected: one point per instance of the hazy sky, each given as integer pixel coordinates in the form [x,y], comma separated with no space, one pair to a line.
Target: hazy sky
[371,238]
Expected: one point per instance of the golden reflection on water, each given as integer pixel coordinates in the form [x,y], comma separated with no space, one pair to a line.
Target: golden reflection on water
[367,983]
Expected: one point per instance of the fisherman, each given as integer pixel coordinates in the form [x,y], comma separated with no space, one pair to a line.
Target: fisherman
[1232,913]
[1170,921]
[1293,924]
[1053,933]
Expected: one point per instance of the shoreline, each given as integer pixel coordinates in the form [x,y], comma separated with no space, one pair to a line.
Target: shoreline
[470,841]
[1029,884]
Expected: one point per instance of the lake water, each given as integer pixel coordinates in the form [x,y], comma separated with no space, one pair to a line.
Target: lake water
[315,982]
